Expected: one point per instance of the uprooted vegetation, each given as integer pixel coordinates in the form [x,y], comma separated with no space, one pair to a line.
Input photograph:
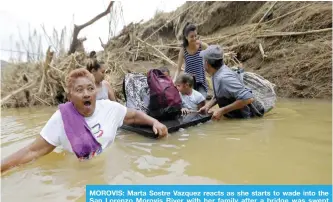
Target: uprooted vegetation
[288,43]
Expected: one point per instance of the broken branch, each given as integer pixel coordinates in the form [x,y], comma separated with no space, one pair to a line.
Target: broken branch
[48,60]
[29,85]
[162,55]
[263,17]
[171,20]
[102,44]
[291,12]
[294,33]
[262,51]
[77,28]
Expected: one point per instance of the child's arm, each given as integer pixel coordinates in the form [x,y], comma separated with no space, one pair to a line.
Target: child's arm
[201,104]
[200,100]
[184,109]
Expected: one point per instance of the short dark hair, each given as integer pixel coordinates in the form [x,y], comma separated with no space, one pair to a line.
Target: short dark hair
[185,78]
[216,64]
[164,69]
[93,63]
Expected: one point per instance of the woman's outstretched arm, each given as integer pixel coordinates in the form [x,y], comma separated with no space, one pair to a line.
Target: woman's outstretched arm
[34,150]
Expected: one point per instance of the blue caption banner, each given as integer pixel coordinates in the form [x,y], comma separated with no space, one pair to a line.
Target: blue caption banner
[209,193]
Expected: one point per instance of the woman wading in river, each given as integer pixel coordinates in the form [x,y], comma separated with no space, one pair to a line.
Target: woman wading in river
[103,88]
[83,126]
[190,53]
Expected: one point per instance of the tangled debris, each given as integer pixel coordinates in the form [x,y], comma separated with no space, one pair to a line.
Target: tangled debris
[289,43]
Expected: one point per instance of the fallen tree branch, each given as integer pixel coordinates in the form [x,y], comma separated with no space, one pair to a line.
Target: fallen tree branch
[78,28]
[49,38]
[218,39]
[179,14]
[263,17]
[262,51]
[162,55]
[137,52]
[48,60]
[126,46]
[207,40]
[53,67]
[167,47]
[102,44]
[41,100]
[277,34]
[157,56]
[29,85]
[291,12]
[121,68]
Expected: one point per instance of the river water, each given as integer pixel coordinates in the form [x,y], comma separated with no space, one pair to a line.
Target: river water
[292,145]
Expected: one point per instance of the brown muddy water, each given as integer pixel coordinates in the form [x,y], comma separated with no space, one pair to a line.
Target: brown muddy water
[292,145]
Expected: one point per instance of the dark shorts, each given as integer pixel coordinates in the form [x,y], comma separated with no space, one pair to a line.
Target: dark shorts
[200,88]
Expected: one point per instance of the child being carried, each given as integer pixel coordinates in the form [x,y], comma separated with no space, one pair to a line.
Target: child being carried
[192,100]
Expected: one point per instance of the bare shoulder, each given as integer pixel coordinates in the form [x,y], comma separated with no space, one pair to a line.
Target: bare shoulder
[108,85]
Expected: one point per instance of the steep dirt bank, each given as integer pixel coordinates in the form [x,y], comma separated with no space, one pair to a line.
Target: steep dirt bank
[299,63]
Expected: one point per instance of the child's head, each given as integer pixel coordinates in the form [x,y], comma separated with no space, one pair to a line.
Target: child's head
[165,71]
[184,83]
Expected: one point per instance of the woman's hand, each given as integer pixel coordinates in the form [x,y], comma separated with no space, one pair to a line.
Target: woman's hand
[160,129]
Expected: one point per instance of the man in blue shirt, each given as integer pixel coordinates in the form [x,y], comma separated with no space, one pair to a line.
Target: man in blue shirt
[233,98]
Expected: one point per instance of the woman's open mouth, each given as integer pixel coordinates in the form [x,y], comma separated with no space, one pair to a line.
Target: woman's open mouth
[87,103]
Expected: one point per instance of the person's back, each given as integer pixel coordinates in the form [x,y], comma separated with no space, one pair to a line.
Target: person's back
[228,89]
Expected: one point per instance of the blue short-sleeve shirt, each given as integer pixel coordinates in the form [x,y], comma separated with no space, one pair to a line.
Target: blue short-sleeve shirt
[228,88]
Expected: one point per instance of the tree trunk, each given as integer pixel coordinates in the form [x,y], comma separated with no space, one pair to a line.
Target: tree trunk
[77,28]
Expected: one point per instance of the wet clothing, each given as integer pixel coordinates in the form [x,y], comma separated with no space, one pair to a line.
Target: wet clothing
[191,101]
[228,88]
[104,123]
